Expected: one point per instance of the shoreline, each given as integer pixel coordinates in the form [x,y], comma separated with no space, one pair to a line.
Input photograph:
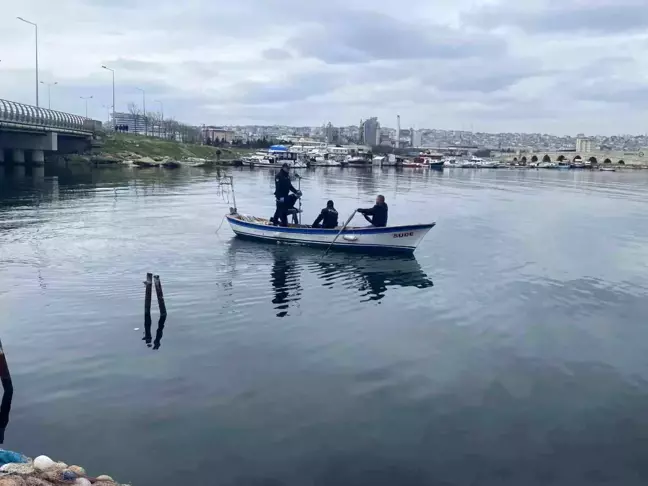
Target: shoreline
[20,470]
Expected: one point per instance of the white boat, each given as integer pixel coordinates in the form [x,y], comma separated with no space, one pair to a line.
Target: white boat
[263,159]
[548,165]
[358,161]
[468,164]
[450,163]
[390,239]
[488,164]
[260,159]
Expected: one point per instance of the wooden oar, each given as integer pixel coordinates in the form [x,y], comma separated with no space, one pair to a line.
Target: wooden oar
[340,232]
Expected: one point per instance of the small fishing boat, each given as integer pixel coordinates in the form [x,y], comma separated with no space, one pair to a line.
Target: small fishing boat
[367,239]
[390,239]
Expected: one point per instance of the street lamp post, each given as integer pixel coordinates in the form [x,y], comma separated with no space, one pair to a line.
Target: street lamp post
[36,28]
[49,92]
[113,86]
[144,109]
[161,117]
[86,98]
[107,107]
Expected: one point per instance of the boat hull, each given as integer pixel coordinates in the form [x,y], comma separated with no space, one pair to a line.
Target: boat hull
[388,240]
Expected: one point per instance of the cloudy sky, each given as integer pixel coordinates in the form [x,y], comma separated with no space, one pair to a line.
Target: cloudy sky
[554,66]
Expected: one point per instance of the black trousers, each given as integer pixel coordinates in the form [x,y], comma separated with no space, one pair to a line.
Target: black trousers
[281,214]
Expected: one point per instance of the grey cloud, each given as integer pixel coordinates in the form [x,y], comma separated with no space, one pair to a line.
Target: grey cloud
[276,54]
[297,88]
[605,17]
[484,75]
[614,91]
[133,65]
[356,37]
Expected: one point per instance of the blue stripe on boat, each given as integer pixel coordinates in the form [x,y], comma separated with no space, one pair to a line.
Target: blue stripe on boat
[362,231]
[354,247]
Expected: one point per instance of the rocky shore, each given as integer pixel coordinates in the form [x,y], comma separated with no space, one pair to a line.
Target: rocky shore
[43,471]
[132,159]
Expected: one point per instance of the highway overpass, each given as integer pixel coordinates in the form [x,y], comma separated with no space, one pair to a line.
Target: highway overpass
[27,132]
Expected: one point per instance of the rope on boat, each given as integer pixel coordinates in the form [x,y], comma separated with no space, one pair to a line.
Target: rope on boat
[221,224]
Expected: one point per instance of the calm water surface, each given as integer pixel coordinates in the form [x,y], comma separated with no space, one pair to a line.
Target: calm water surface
[512,350]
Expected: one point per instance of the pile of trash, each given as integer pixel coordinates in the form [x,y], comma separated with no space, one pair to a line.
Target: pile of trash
[19,470]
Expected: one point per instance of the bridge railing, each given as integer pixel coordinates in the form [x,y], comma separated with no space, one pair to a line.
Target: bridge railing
[22,114]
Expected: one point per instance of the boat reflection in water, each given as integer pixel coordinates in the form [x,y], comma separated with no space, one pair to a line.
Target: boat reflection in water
[293,269]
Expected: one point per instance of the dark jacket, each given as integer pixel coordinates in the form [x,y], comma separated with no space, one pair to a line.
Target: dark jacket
[283,186]
[379,213]
[328,217]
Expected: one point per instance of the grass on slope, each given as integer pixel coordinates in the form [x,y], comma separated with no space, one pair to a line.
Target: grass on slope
[119,143]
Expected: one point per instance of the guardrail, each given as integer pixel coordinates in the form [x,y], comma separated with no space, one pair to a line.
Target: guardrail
[27,115]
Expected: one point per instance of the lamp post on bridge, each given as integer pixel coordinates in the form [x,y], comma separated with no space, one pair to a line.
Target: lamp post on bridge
[36,28]
[144,109]
[86,98]
[49,93]
[113,89]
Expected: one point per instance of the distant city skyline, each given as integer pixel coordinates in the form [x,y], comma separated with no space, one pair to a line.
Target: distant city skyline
[441,138]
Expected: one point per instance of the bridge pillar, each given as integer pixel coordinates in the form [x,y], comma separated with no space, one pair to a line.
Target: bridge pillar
[38,157]
[1,155]
[18,156]
[18,172]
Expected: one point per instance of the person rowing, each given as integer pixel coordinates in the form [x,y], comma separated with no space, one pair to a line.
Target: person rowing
[378,213]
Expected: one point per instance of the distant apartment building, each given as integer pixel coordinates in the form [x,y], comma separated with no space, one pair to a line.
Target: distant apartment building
[416,138]
[583,144]
[217,133]
[331,134]
[370,132]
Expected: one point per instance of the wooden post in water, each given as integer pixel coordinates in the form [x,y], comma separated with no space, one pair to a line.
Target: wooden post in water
[160,295]
[147,295]
[5,376]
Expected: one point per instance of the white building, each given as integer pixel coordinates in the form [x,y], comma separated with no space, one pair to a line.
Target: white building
[416,137]
[133,123]
[583,144]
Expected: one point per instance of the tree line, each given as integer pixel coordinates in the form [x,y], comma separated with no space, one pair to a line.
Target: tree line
[156,125]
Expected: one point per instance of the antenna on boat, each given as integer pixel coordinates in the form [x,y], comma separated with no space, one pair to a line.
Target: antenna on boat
[228,180]
[300,201]
[231,178]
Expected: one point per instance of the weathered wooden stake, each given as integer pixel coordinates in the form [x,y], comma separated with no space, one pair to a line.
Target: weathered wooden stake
[147,296]
[5,376]
[160,295]
[147,330]
[160,330]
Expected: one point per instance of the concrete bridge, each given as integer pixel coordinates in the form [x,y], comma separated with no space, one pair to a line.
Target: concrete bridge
[27,132]
[637,158]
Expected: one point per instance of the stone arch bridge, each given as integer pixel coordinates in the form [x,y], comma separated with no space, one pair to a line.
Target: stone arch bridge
[638,158]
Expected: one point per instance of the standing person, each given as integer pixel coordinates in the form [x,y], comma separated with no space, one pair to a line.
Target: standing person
[328,217]
[283,188]
[379,212]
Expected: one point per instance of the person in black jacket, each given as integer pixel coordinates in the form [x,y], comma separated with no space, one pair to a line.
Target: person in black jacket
[379,212]
[328,217]
[283,188]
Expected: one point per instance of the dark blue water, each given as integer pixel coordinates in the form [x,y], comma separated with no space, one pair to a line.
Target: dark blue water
[513,349]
